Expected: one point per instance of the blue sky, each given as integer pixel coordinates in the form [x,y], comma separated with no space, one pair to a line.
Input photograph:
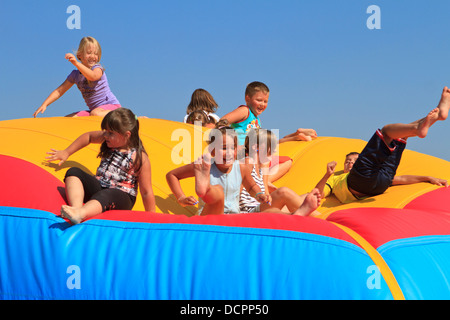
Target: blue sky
[326,70]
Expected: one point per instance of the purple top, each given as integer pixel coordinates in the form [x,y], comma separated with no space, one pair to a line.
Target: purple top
[95,93]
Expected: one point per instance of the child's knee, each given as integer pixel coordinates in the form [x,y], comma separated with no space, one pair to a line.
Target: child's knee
[217,191]
[113,199]
[73,172]
[385,133]
[95,112]
[215,194]
[282,192]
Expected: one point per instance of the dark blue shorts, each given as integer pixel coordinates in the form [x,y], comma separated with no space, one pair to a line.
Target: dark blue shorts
[376,165]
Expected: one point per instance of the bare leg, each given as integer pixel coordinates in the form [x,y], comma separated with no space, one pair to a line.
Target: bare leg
[295,137]
[214,201]
[99,112]
[74,191]
[417,128]
[311,203]
[284,197]
[77,215]
[308,132]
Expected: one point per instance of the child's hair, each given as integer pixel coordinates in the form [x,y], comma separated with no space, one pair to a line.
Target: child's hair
[200,116]
[352,154]
[254,87]
[222,128]
[202,100]
[122,120]
[85,42]
[260,136]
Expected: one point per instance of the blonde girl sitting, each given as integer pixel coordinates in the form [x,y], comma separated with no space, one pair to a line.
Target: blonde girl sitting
[90,78]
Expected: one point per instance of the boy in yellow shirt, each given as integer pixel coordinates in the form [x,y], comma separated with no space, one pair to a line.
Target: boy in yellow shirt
[373,171]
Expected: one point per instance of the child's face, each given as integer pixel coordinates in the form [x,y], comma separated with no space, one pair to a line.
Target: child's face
[225,154]
[258,102]
[115,140]
[261,153]
[90,56]
[349,162]
[264,154]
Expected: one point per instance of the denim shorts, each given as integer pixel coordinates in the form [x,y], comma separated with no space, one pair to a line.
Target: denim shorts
[376,165]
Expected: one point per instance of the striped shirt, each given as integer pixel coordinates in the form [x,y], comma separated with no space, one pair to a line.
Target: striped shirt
[246,201]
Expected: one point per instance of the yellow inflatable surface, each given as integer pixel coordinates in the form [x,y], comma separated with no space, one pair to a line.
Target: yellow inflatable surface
[168,143]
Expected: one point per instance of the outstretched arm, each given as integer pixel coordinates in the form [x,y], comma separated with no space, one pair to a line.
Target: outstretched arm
[55,95]
[331,166]
[410,179]
[173,178]
[82,141]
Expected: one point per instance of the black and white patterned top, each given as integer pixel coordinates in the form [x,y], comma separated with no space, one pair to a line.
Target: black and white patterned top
[117,172]
[246,201]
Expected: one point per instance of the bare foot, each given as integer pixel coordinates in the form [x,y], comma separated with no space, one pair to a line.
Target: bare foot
[202,169]
[71,213]
[310,204]
[444,104]
[302,137]
[427,122]
[308,132]
[297,136]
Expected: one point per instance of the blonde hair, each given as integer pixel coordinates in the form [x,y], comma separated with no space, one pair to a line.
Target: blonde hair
[87,41]
[201,100]
[254,87]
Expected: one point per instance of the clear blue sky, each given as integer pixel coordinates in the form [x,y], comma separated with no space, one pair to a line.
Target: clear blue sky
[326,70]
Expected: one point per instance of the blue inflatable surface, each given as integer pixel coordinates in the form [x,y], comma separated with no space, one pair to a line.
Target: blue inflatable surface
[104,259]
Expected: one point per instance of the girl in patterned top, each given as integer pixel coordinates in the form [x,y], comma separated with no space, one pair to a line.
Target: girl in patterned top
[124,165]
[260,144]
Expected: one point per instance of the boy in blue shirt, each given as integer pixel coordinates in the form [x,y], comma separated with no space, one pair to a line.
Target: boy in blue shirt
[246,117]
